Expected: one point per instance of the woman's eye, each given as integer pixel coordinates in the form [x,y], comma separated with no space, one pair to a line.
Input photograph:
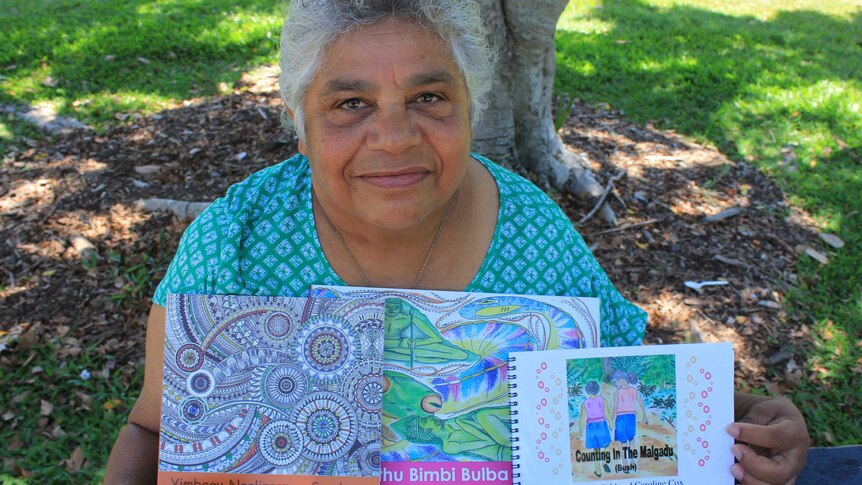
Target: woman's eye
[427,98]
[352,103]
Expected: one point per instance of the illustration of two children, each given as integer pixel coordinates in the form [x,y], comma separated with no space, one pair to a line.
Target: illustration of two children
[595,411]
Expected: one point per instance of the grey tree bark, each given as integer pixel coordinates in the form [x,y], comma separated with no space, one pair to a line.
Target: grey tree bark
[518,128]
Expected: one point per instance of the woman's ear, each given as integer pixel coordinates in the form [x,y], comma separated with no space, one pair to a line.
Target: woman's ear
[301,144]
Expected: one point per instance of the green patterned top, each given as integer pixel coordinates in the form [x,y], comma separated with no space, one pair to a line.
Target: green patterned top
[260,239]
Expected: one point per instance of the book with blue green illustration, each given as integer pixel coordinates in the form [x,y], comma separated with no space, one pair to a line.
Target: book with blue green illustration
[446,416]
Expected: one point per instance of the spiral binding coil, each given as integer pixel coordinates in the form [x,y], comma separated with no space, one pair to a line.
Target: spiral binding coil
[513,421]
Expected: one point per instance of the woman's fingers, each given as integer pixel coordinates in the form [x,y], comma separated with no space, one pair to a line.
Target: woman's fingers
[746,479]
[758,469]
[773,436]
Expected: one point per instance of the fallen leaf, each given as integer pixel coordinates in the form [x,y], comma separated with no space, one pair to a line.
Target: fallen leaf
[775,388]
[832,240]
[111,404]
[15,444]
[86,399]
[75,461]
[46,408]
[58,432]
[820,257]
[8,416]
[827,436]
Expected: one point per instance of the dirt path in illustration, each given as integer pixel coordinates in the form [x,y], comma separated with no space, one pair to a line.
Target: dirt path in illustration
[657,434]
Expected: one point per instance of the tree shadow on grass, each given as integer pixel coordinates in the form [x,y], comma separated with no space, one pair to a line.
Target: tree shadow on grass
[689,69]
[703,59]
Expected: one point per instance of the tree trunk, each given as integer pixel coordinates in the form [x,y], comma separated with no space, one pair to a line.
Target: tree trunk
[518,128]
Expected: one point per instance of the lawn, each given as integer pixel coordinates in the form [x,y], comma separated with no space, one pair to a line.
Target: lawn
[100,61]
[775,84]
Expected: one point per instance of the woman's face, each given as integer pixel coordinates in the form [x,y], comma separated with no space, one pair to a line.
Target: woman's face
[387,126]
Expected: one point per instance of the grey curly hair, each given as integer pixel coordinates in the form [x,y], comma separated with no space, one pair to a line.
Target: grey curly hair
[312,25]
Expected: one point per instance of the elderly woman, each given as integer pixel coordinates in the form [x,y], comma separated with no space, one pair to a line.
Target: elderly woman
[383,96]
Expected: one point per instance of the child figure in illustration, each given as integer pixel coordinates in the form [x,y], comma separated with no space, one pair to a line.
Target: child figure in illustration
[594,410]
[626,400]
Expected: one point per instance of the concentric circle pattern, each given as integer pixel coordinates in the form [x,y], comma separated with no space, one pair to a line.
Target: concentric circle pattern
[190,357]
[192,410]
[329,424]
[281,442]
[200,383]
[278,325]
[284,385]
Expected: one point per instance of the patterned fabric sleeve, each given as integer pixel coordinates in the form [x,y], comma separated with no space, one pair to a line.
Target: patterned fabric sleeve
[194,268]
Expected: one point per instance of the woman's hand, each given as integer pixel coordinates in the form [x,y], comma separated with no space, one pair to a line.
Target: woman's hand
[772,440]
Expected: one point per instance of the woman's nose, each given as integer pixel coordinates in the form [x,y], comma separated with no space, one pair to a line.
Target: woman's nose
[393,131]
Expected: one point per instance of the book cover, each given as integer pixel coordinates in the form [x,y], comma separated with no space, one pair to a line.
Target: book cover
[628,415]
[270,390]
[446,415]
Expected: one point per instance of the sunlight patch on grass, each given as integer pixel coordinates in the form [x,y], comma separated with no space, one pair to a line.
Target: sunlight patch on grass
[5,131]
[100,61]
[574,18]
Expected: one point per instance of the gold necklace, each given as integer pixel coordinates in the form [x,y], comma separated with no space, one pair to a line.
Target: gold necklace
[359,268]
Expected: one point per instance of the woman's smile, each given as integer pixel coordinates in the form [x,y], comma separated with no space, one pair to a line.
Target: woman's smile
[395,179]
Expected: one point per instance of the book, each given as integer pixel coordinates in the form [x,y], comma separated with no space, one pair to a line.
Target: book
[627,415]
[270,390]
[446,415]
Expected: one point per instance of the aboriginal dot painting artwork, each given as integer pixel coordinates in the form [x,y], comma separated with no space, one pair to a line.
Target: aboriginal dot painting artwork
[271,385]
[622,417]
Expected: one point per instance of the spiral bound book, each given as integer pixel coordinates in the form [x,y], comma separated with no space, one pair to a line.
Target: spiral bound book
[270,390]
[446,415]
[652,415]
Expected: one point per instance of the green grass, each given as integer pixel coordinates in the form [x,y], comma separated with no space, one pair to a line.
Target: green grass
[161,52]
[753,78]
[87,413]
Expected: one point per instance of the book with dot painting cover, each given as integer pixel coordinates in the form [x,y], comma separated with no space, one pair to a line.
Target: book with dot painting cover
[446,415]
[270,390]
[652,415]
